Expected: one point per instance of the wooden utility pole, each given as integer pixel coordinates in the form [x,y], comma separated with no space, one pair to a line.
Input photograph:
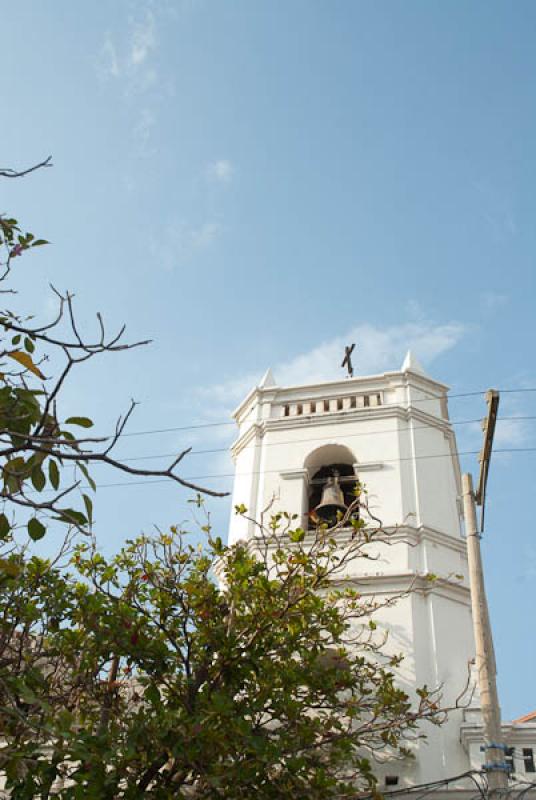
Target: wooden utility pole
[488,426]
[495,764]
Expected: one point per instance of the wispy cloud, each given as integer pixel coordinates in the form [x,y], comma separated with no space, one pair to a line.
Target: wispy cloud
[378,350]
[128,60]
[492,301]
[415,311]
[181,239]
[143,131]
[510,433]
[497,209]
[513,432]
[108,63]
[221,171]
[142,40]
[195,238]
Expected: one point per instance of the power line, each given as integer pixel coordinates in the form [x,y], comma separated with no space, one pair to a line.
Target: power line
[323,438]
[196,426]
[514,391]
[431,785]
[180,428]
[267,471]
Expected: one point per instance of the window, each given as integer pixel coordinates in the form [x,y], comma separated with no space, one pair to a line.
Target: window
[528,759]
[313,407]
[286,411]
[366,401]
[353,402]
[299,409]
[391,780]
[509,758]
[339,404]
[326,405]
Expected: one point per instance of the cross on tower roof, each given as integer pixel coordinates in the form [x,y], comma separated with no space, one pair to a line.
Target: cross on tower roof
[347,360]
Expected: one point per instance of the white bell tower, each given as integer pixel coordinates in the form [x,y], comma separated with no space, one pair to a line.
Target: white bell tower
[392,431]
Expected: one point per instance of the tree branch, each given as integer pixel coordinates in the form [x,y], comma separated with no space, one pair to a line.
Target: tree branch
[12,173]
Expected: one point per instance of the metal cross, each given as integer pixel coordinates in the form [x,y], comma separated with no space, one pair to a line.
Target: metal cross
[347,360]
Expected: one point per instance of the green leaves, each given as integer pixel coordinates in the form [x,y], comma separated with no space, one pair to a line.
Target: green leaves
[53,473]
[82,422]
[218,546]
[15,471]
[36,444]
[83,469]
[152,695]
[297,536]
[126,661]
[189,666]
[36,530]
[72,517]
[5,527]
[9,568]
[38,478]
[89,507]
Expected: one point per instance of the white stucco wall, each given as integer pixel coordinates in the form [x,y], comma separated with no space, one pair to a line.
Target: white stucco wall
[404,451]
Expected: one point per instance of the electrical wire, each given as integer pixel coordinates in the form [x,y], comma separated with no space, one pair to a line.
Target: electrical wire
[267,471]
[322,438]
[296,441]
[431,785]
[179,428]
[196,426]
[514,391]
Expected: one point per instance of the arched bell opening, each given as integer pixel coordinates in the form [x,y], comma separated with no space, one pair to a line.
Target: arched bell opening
[332,481]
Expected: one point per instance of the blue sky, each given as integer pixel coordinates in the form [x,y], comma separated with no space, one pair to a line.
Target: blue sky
[254,184]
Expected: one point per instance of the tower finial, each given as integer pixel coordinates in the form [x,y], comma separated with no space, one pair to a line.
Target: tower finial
[267,379]
[412,364]
[347,360]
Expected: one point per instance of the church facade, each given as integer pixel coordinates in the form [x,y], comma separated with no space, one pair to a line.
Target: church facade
[392,433]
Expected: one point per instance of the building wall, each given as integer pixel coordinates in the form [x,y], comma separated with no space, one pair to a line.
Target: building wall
[519,736]
[404,451]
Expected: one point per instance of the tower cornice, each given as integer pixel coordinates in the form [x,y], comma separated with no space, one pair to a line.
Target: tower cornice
[257,430]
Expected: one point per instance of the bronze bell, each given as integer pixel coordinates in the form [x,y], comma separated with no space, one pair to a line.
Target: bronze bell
[332,501]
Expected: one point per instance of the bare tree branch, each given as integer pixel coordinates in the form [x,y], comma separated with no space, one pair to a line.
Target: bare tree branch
[12,173]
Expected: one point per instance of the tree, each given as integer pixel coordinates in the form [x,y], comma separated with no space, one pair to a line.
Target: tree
[143,677]
[37,444]
[45,461]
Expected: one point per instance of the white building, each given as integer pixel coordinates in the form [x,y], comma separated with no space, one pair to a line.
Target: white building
[393,432]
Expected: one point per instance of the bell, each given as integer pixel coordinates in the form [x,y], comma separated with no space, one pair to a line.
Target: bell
[332,501]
